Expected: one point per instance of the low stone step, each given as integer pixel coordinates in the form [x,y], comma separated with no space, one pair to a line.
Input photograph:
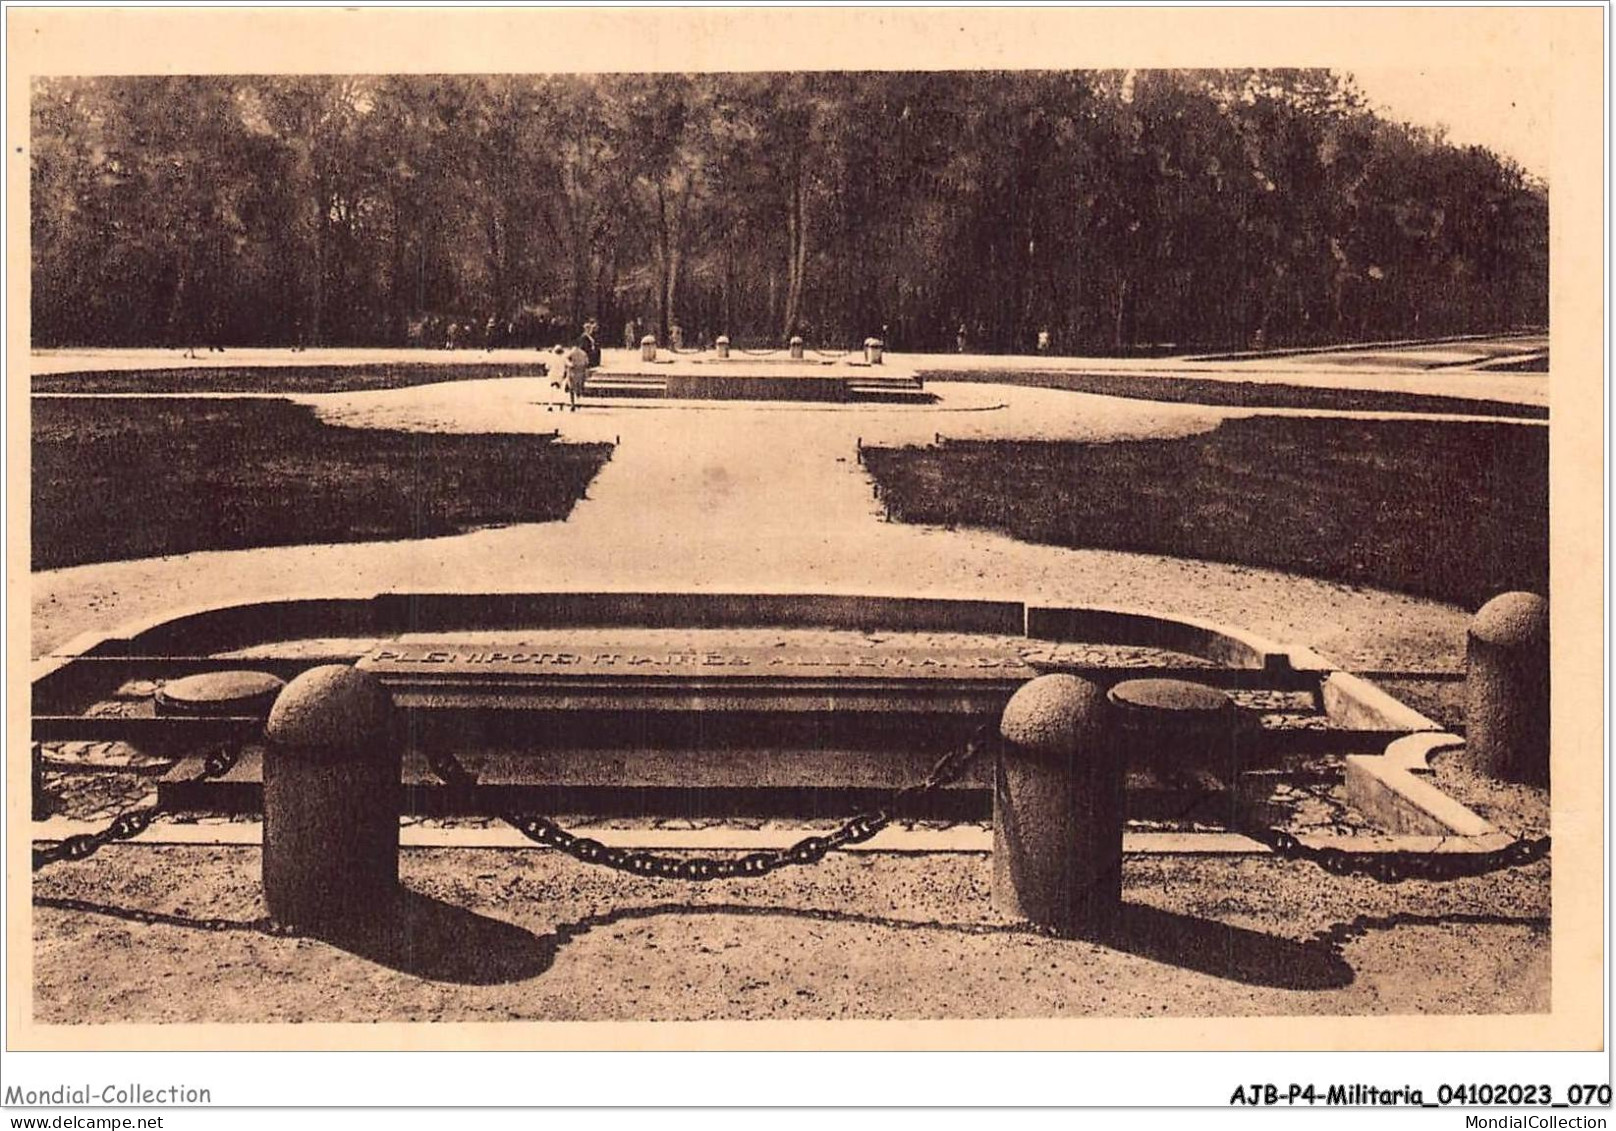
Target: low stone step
[878,381]
[626,387]
[893,396]
[616,783]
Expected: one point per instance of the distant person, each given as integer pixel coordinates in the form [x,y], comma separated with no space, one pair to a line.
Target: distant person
[588,343]
[960,336]
[631,335]
[1043,341]
[676,337]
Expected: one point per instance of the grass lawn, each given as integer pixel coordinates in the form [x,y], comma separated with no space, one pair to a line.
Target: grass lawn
[133,478]
[1241,394]
[1458,512]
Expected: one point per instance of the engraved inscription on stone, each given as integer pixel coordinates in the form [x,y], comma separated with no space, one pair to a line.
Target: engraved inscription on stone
[471,660]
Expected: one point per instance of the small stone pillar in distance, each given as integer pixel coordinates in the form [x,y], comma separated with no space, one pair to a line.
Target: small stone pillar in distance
[872,350]
[796,347]
[722,345]
[332,766]
[1057,808]
[648,348]
[1507,689]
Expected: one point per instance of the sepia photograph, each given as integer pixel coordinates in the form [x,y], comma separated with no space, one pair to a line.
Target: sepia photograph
[674,537]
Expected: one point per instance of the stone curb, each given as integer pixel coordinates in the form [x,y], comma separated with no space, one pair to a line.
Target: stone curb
[1391,788]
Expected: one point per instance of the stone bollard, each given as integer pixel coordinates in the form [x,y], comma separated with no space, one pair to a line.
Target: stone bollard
[722,345]
[1507,689]
[219,694]
[796,347]
[872,350]
[648,348]
[332,768]
[1057,808]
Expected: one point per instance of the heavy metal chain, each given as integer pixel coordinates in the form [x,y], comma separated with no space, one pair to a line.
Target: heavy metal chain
[809,850]
[1397,866]
[128,824]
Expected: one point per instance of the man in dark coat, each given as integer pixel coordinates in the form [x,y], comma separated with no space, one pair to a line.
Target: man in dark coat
[587,342]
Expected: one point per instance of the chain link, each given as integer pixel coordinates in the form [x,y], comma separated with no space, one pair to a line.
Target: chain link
[809,850]
[1383,867]
[130,823]
[1396,866]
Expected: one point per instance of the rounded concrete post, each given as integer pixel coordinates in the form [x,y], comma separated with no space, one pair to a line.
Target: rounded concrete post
[796,347]
[872,350]
[1057,808]
[332,767]
[1507,689]
[722,345]
[648,348]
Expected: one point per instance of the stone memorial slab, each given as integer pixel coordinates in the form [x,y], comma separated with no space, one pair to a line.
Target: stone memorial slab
[631,676]
[480,660]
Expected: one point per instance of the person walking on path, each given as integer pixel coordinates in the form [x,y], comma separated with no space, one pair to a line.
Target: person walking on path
[571,370]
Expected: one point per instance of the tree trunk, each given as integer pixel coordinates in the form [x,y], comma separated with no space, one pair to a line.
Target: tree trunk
[797,249]
[1119,312]
[664,254]
[317,290]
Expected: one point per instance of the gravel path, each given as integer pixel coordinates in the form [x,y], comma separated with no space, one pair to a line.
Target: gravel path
[759,497]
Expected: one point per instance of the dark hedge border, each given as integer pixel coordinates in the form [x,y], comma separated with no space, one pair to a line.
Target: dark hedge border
[285,379]
[1457,512]
[133,478]
[1241,394]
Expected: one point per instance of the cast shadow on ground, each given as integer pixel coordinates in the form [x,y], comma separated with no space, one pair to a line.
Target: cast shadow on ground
[1219,950]
[438,941]
[441,942]
[1199,945]
[411,933]
[427,938]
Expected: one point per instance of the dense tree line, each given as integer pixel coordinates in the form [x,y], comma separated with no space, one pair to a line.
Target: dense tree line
[1116,210]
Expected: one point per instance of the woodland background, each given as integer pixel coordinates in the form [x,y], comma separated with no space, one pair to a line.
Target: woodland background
[1121,211]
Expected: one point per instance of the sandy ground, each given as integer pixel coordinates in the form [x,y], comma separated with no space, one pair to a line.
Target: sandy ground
[502,936]
[759,497]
